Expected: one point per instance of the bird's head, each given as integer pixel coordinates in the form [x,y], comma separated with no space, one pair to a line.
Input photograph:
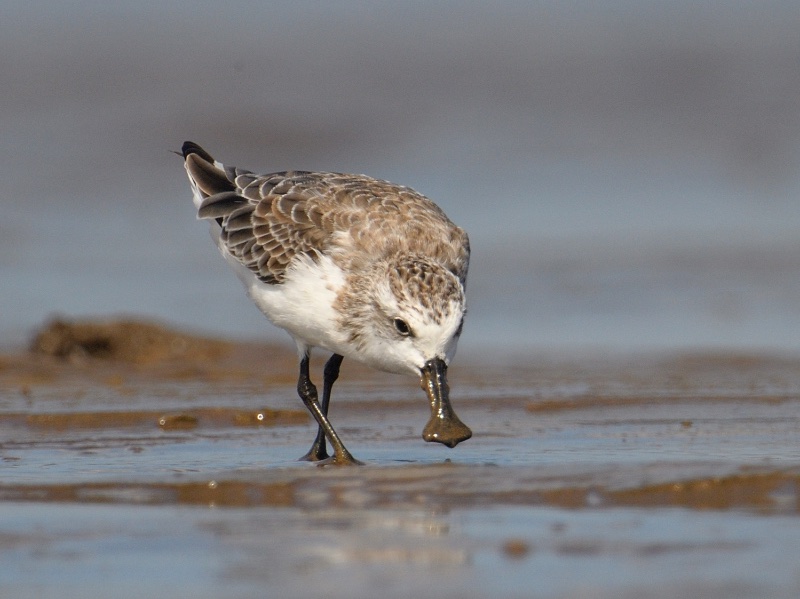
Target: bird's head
[409,320]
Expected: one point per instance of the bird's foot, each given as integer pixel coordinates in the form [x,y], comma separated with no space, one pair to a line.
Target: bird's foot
[343,458]
[315,454]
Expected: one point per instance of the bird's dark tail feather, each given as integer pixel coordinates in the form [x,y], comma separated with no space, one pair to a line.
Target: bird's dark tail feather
[189,147]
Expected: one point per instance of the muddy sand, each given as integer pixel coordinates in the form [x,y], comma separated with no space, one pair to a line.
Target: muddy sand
[139,460]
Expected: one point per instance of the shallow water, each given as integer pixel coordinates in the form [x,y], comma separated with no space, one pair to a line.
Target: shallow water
[649,476]
[627,172]
[84,551]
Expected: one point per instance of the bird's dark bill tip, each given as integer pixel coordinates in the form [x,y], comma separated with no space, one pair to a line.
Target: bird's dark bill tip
[448,432]
[444,426]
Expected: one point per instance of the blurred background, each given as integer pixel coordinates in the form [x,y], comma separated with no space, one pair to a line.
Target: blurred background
[628,171]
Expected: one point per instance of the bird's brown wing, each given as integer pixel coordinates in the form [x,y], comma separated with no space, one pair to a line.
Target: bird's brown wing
[266,221]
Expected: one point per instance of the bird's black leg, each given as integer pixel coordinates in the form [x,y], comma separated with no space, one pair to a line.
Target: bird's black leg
[318,450]
[308,393]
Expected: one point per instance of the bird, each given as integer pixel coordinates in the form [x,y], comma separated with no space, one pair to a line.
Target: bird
[355,266]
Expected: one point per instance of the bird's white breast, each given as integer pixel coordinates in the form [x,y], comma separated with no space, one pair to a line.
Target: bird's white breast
[303,304]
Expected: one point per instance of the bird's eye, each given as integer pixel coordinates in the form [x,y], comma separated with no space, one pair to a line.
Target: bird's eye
[402,327]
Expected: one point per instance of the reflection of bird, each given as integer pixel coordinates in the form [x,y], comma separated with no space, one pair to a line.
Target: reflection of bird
[360,267]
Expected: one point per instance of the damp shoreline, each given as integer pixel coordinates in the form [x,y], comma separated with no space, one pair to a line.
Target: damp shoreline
[618,460]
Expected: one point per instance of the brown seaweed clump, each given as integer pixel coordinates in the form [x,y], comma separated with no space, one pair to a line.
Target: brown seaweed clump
[129,341]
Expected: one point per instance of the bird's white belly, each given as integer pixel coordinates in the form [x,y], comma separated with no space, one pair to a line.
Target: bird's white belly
[303,304]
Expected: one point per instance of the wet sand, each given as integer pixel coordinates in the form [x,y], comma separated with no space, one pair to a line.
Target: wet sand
[149,461]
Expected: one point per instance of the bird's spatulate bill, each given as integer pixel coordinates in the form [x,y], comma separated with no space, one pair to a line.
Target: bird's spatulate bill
[444,426]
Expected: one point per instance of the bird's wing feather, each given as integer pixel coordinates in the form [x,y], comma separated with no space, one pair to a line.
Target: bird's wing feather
[266,221]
